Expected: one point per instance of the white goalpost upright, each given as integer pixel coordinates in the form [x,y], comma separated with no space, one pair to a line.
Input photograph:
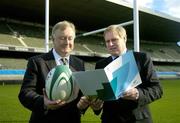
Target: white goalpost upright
[46,25]
[136,26]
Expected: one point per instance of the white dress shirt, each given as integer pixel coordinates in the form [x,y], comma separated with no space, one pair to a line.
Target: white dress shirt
[58,58]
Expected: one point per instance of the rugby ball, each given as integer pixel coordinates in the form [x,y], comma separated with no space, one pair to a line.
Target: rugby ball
[59,83]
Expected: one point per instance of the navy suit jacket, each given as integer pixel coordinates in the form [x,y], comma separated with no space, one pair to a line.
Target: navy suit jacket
[31,93]
[127,111]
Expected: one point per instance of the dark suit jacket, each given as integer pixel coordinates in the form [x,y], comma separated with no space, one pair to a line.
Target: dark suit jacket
[126,111]
[31,94]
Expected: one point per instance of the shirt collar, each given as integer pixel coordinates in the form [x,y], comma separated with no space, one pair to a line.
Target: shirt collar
[57,57]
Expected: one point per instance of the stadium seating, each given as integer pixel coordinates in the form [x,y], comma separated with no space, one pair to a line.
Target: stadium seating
[12,63]
[6,37]
[30,35]
[92,43]
[17,34]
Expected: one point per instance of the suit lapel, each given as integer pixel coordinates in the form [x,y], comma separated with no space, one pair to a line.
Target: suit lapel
[49,60]
[109,60]
[72,64]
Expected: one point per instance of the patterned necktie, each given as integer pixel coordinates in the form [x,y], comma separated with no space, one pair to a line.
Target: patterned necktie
[64,61]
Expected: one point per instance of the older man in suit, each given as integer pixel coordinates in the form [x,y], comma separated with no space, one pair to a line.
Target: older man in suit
[133,106]
[32,94]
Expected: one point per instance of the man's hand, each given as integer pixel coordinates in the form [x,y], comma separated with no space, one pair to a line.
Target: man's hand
[52,104]
[83,103]
[96,104]
[132,94]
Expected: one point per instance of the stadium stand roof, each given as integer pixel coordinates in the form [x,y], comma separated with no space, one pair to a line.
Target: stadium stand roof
[94,14]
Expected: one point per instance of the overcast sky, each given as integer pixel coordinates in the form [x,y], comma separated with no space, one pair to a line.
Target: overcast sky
[171,7]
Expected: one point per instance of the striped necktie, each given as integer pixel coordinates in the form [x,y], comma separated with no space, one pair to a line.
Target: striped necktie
[64,61]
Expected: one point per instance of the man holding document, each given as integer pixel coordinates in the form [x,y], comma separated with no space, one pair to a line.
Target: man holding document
[132,105]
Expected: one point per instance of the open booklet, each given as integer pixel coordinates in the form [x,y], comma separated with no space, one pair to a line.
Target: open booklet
[109,83]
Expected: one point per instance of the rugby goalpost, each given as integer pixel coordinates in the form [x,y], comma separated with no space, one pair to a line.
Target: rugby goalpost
[46,25]
[135,23]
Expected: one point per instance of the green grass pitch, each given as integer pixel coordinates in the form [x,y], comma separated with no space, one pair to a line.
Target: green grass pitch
[165,110]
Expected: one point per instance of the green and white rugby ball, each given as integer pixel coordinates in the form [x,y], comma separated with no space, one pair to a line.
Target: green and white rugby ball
[59,83]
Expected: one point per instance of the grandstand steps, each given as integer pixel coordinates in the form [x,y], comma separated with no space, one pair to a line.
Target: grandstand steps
[91,47]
